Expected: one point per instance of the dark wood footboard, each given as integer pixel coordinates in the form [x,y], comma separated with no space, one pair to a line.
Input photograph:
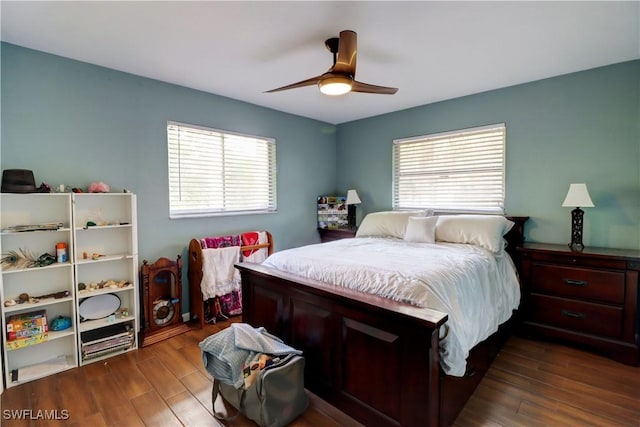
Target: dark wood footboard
[375,359]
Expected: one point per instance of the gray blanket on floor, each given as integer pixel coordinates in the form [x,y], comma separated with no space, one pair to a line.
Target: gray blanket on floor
[225,353]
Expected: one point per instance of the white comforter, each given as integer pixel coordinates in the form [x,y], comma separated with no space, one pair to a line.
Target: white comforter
[475,288]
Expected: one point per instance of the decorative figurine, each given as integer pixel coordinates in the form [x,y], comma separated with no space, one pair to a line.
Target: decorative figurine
[98,187]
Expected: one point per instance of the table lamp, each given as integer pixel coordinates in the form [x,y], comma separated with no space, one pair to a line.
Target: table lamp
[352,201]
[577,196]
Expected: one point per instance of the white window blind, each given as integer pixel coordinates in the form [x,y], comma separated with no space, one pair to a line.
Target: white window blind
[458,171]
[214,172]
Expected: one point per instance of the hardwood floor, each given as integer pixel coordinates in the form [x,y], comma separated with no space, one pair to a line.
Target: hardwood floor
[535,383]
[530,384]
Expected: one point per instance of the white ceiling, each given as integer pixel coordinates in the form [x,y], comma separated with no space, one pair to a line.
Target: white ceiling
[431,51]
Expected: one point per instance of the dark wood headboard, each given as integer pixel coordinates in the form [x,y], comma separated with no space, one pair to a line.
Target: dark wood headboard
[515,238]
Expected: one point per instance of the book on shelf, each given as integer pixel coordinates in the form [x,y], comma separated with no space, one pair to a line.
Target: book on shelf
[33,227]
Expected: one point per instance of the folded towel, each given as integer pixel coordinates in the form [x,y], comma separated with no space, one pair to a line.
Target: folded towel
[219,276]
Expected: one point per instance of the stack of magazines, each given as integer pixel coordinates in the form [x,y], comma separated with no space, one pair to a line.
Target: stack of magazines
[107,340]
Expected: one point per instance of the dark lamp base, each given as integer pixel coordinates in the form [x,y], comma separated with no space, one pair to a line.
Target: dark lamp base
[351,216]
[577,216]
[576,247]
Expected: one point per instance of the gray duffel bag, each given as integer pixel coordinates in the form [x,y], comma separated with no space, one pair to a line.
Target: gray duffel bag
[276,396]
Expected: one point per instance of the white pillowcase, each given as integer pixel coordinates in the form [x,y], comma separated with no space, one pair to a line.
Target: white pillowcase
[386,223]
[481,230]
[421,229]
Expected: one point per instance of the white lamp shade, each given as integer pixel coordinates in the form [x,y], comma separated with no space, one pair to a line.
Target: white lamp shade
[578,197]
[352,197]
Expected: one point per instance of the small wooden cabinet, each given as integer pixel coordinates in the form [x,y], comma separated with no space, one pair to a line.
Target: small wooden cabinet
[588,298]
[330,234]
[161,295]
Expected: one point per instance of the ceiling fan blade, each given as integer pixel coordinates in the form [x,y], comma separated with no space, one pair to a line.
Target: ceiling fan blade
[367,88]
[308,82]
[347,52]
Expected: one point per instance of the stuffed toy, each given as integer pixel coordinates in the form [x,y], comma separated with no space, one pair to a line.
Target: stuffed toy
[98,187]
[60,323]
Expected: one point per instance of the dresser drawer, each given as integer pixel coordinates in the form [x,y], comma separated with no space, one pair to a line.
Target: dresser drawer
[583,283]
[579,316]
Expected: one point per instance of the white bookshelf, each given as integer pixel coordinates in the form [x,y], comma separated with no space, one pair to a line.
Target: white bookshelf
[58,351]
[106,249]
[113,239]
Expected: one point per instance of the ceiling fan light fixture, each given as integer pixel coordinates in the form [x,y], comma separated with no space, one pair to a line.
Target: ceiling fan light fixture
[335,85]
[340,78]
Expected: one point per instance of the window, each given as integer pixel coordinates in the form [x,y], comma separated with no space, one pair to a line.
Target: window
[458,171]
[214,172]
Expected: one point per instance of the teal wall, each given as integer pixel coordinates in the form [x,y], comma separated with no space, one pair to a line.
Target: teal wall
[75,123]
[580,127]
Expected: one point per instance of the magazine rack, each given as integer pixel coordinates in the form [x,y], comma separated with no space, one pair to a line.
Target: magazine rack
[332,212]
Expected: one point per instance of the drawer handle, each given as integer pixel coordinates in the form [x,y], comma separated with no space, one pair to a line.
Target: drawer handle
[573,314]
[572,282]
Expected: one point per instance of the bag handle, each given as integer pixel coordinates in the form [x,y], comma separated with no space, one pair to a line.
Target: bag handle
[215,391]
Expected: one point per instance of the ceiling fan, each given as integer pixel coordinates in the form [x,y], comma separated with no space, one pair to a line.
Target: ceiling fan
[340,78]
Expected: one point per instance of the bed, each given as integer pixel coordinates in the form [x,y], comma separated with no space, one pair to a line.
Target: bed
[375,358]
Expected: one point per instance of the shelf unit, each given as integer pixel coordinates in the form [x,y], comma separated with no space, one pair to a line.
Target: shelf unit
[113,239]
[59,351]
[106,251]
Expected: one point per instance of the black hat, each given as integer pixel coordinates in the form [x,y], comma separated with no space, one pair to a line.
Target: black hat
[18,181]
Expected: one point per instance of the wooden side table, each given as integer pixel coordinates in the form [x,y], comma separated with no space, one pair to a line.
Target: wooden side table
[330,234]
[588,297]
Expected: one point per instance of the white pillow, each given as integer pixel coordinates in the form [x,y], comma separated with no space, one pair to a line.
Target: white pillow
[386,223]
[421,229]
[481,230]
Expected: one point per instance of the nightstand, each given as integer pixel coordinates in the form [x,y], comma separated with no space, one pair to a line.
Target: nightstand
[588,298]
[330,234]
